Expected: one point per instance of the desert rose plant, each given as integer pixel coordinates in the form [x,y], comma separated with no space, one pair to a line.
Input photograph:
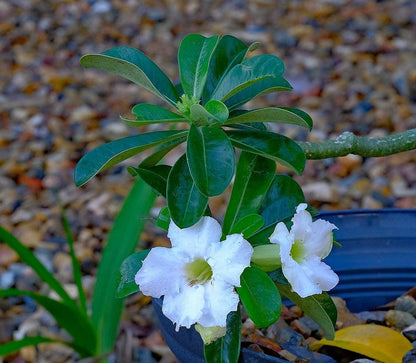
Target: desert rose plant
[268,244]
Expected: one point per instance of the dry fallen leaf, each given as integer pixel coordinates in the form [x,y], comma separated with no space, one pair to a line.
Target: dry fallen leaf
[374,341]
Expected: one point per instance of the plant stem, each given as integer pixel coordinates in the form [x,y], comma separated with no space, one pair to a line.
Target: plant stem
[348,143]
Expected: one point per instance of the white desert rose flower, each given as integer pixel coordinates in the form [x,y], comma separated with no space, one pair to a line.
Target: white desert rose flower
[302,250]
[197,275]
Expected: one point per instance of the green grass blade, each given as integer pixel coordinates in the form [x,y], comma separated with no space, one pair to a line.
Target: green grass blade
[69,317]
[122,241]
[75,265]
[29,258]
[16,345]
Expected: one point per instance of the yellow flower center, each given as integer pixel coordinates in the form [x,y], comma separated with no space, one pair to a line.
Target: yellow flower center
[298,251]
[198,272]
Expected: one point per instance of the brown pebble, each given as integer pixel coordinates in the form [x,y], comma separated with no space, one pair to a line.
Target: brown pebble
[7,255]
[301,328]
[296,310]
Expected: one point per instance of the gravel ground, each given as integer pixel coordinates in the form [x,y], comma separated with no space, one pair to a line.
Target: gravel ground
[352,65]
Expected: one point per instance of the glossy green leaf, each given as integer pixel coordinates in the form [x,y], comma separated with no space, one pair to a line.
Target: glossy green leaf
[213,110]
[211,159]
[114,152]
[249,72]
[185,202]
[75,265]
[248,225]
[128,270]
[229,52]
[155,176]
[252,180]
[267,85]
[285,115]
[76,323]
[194,56]
[163,219]
[135,66]
[270,145]
[27,256]
[320,308]
[227,348]
[122,241]
[161,151]
[279,204]
[260,297]
[147,114]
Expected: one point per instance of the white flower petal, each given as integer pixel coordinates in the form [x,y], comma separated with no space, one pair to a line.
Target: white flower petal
[299,279]
[302,223]
[151,278]
[184,308]
[220,299]
[319,241]
[229,258]
[281,234]
[197,239]
[321,274]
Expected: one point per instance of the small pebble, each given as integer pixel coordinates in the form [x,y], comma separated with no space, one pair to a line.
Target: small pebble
[406,303]
[399,319]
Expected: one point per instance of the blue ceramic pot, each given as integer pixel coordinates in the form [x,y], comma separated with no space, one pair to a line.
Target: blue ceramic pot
[376,264]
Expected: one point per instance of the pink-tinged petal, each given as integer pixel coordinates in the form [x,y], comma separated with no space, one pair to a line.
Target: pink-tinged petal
[281,234]
[220,299]
[302,223]
[299,279]
[184,308]
[229,258]
[321,274]
[319,241]
[195,241]
[160,263]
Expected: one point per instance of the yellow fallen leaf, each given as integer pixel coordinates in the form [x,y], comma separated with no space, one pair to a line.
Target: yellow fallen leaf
[374,341]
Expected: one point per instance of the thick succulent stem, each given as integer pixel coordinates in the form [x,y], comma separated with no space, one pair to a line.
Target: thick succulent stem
[348,143]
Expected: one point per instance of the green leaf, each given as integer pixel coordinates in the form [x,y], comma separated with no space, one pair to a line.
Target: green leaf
[229,52]
[248,225]
[128,270]
[122,241]
[29,258]
[75,322]
[218,110]
[279,204]
[211,159]
[135,66]
[194,56]
[260,297]
[249,72]
[213,110]
[114,152]
[227,348]
[75,265]
[16,345]
[267,85]
[163,219]
[252,180]
[274,114]
[185,202]
[161,151]
[155,176]
[147,114]
[320,308]
[270,145]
